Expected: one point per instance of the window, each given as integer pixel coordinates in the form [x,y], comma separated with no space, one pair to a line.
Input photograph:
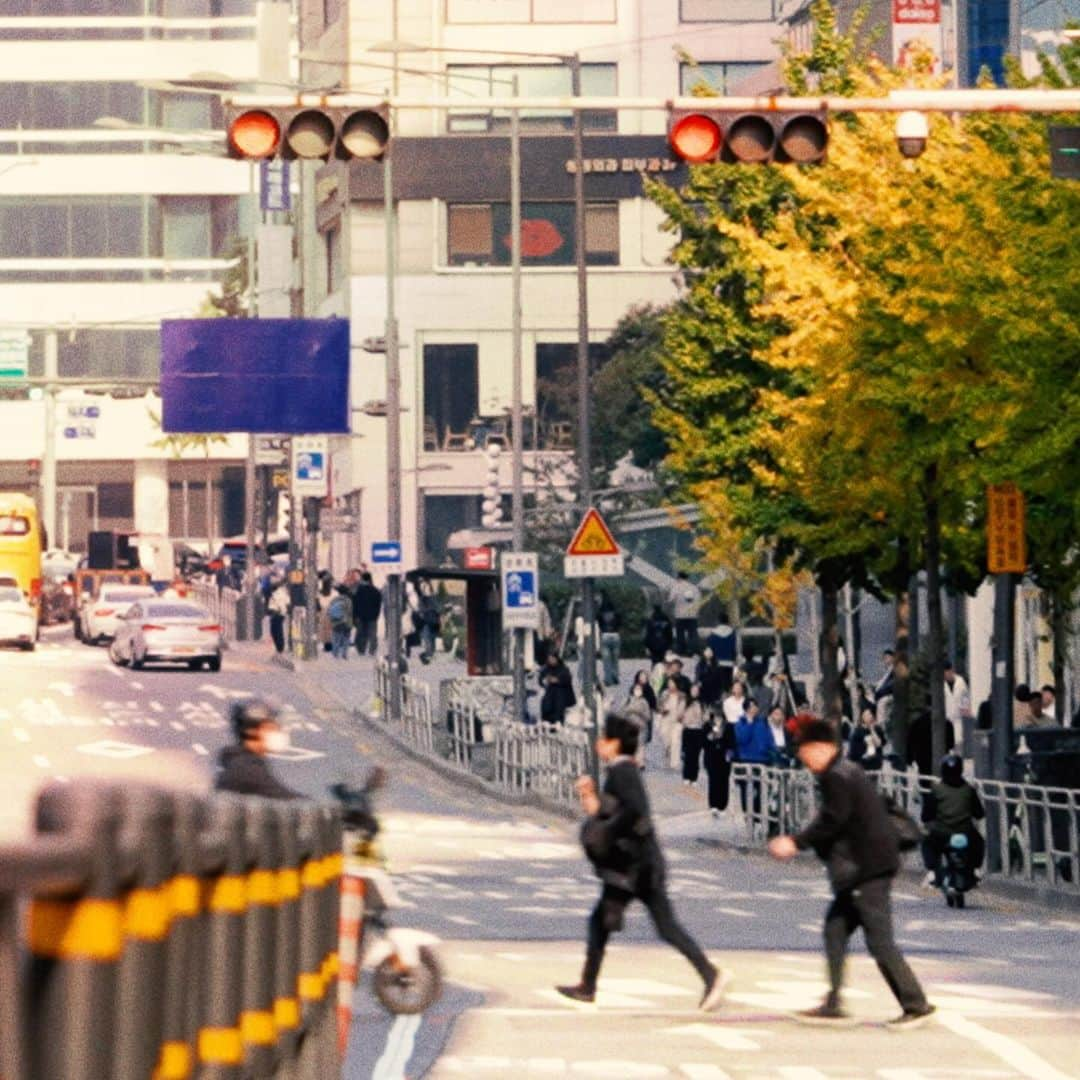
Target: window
[556,392]
[185,228]
[68,104]
[451,392]
[729,10]
[58,228]
[446,514]
[464,81]
[110,352]
[526,11]
[14,525]
[478,234]
[721,76]
[116,500]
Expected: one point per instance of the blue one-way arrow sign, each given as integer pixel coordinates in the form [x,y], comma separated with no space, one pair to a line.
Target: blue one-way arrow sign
[386,553]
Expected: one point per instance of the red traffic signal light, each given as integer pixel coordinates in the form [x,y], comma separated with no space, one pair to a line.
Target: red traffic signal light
[256,132]
[749,138]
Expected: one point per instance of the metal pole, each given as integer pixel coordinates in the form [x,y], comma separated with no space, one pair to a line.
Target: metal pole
[1001,685]
[1016,35]
[249,465]
[852,654]
[48,460]
[584,449]
[393,436]
[517,431]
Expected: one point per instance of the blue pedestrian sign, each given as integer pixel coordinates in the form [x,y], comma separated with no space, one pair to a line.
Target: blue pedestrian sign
[386,553]
[310,465]
[520,590]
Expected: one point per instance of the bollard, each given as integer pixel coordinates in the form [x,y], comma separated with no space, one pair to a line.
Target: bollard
[287,966]
[185,959]
[349,942]
[257,1027]
[219,1047]
[309,987]
[331,908]
[75,942]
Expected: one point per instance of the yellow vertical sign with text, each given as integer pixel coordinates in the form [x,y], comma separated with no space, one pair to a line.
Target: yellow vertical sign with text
[1006,550]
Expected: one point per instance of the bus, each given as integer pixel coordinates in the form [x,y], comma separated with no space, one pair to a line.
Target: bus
[21,545]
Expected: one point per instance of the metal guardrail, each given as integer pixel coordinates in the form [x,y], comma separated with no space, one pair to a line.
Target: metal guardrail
[1032,832]
[223,604]
[169,935]
[474,731]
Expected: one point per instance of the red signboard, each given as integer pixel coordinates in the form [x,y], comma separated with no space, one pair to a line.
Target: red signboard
[916,11]
[480,558]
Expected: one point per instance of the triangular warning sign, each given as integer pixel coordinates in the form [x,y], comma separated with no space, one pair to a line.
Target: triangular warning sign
[593,537]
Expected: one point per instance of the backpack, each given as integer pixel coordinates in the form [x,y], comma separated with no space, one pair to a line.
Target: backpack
[339,611]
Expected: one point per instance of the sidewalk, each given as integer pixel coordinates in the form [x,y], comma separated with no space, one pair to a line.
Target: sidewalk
[350,685]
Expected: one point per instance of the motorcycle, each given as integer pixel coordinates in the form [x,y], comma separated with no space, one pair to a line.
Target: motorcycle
[407,974]
[956,873]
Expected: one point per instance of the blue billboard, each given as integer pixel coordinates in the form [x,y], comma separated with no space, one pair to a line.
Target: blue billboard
[266,376]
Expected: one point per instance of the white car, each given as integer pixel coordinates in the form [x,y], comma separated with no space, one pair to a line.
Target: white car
[100,616]
[18,620]
[174,631]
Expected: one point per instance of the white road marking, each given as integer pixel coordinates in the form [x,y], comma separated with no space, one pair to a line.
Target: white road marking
[738,912]
[461,920]
[63,688]
[41,761]
[800,1072]
[1010,1050]
[157,706]
[113,748]
[21,734]
[704,1072]
[720,1035]
[199,748]
[399,1048]
[177,726]
[118,672]
[618,1070]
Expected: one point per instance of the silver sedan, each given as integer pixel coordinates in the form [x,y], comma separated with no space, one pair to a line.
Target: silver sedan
[167,631]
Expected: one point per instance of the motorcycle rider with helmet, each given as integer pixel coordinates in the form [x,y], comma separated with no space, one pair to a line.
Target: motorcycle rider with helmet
[951,807]
[243,768]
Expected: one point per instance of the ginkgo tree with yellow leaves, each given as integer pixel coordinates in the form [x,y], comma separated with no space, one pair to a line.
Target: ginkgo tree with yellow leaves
[882,339]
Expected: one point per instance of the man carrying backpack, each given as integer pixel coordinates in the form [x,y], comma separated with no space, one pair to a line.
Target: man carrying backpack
[339,611]
[853,835]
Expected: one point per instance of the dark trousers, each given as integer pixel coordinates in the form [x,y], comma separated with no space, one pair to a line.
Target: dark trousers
[718,770]
[608,916]
[693,739]
[868,906]
[686,638]
[277,631]
[367,637]
[751,799]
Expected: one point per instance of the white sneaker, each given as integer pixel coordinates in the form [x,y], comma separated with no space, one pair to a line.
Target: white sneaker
[714,994]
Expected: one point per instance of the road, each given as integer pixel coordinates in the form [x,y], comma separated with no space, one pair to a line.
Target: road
[508,891]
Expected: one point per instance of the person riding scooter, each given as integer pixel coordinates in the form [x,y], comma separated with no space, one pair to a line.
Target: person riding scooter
[950,809]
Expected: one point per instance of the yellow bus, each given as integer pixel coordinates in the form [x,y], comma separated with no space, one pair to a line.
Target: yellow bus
[21,545]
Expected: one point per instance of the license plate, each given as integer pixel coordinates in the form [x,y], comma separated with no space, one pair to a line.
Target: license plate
[183,649]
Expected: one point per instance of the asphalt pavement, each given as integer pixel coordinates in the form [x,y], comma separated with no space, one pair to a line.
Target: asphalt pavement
[508,892]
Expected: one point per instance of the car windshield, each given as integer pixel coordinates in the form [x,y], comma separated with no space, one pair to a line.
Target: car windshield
[14,525]
[125,596]
[176,611]
[9,595]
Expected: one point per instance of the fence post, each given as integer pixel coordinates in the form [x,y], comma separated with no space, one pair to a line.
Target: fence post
[12,1012]
[287,968]
[75,942]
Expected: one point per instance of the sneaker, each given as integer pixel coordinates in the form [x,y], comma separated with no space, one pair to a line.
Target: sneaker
[930,881]
[715,990]
[577,993]
[824,1015]
[911,1019]
[715,812]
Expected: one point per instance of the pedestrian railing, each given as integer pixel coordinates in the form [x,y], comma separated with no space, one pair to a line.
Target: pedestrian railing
[473,730]
[221,603]
[169,935]
[1032,832]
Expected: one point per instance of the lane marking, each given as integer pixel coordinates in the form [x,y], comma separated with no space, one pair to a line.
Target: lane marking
[1013,1052]
[704,1072]
[399,1047]
[800,1072]
[721,1036]
[21,734]
[177,726]
[41,761]
[199,748]
[461,920]
[157,706]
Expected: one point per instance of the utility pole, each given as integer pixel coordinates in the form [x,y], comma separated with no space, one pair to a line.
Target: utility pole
[48,459]
[249,464]
[517,427]
[584,391]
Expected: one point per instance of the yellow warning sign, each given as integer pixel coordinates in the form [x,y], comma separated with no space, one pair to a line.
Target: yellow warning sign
[593,537]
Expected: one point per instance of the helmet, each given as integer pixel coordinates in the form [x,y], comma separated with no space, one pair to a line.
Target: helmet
[249,714]
[952,769]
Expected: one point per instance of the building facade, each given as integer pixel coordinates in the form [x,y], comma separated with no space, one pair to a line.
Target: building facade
[452,193]
[117,209]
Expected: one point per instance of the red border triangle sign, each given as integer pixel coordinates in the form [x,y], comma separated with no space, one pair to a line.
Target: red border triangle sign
[593,551]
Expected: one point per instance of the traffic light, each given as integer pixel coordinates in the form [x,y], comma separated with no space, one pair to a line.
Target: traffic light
[749,138]
[258,132]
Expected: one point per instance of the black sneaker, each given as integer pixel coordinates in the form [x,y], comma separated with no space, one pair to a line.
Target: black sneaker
[911,1019]
[577,993]
[824,1015]
[715,990]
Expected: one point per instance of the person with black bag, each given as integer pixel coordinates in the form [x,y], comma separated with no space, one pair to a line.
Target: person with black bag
[856,836]
[620,842]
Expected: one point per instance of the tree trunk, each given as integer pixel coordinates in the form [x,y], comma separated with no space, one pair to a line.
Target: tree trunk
[900,719]
[831,690]
[935,619]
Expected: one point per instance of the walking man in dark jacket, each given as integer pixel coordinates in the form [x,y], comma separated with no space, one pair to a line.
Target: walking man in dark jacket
[242,767]
[853,836]
[367,603]
[620,841]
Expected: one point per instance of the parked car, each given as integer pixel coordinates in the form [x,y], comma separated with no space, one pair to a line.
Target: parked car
[174,631]
[101,616]
[18,619]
